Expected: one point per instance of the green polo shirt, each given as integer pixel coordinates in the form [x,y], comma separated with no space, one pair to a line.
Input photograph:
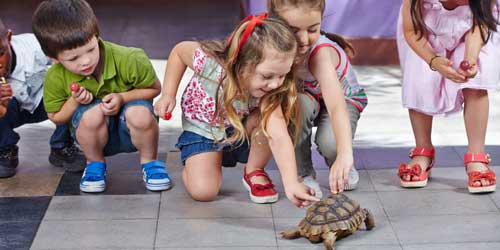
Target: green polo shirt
[125,69]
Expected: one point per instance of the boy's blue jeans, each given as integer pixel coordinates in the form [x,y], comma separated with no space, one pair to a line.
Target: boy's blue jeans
[16,117]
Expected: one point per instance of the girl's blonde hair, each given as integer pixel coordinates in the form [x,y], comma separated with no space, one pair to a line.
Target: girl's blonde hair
[276,6]
[239,62]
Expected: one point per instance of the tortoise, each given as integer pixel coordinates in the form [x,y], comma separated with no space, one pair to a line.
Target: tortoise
[332,218]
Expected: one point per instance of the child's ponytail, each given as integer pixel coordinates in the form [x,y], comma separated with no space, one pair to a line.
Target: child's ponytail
[342,42]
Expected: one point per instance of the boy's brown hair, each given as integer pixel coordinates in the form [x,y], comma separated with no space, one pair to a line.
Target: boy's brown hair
[63,25]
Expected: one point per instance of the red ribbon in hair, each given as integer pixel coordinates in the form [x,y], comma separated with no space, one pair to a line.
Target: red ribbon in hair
[254,21]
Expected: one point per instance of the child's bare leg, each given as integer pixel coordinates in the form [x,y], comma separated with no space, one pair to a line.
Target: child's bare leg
[92,134]
[260,152]
[422,128]
[476,108]
[143,132]
[202,175]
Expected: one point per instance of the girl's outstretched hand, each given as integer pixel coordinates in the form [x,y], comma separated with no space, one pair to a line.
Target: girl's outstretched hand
[339,174]
[444,66]
[299,194]
[164,106]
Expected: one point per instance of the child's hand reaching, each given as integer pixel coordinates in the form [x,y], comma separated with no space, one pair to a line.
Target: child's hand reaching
[111,104]
[164,106]
[299,194]
[339,174]
[444,67]
[82,96]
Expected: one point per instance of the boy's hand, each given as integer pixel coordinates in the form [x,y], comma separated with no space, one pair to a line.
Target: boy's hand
[163,105]
[111,104]
[82,96]
[339,174]
[444,67]
[299,194]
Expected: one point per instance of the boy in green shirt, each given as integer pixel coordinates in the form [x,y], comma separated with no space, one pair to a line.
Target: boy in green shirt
[110,109]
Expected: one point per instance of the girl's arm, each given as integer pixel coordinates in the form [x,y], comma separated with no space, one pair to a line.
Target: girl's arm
[282,148]
[323,66]
[473,45]
[423,49]
[180,58]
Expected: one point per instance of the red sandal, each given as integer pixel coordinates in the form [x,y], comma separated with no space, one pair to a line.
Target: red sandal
[259,193]
[416,170]
[475,176]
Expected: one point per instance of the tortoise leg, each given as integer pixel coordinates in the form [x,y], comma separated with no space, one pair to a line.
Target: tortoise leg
[291,234]
[329,240]
[369,220]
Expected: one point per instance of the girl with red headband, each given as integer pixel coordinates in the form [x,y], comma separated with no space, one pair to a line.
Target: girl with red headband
[242,90]
[331,98]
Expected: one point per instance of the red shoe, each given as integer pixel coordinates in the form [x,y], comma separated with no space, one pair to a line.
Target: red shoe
[416,170]
[259,193]
[475,176]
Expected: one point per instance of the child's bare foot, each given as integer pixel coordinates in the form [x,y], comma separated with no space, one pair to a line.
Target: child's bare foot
[416,173]
[480,177]
[423,161]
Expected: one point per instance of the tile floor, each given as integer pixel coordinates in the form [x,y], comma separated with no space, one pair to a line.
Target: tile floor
[42,208]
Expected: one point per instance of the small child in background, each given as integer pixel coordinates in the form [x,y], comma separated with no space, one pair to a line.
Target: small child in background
[332,98]
[449,53]
[109,105]
[242,90]
[22,69]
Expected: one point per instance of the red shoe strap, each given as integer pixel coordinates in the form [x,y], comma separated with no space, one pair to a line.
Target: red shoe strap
[428,152]
[477,157]
[258,172]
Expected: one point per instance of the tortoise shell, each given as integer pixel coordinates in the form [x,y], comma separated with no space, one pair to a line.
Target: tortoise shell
[332,210]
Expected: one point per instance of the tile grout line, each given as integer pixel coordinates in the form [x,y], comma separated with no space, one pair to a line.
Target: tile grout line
[385,212]
[157,221]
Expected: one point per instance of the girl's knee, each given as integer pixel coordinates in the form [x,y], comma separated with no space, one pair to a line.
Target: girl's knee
[203,194]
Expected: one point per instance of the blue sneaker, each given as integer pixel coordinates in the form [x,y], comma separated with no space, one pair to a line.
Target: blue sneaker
[94,177]
[155,176]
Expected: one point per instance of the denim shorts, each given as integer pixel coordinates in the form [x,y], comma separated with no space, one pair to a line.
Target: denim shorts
[190,144]
[119,140]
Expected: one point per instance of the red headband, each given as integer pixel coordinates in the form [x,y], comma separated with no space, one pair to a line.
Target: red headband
[254,21]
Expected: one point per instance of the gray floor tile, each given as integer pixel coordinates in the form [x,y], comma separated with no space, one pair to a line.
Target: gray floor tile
[320,246]
[447,228]
[106,207]
[180,233]
[236,205]
[218,248]
[442,178]
[435,202]
[496,198]
[17,235]
[455,246]
[382,234]
[123,234]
